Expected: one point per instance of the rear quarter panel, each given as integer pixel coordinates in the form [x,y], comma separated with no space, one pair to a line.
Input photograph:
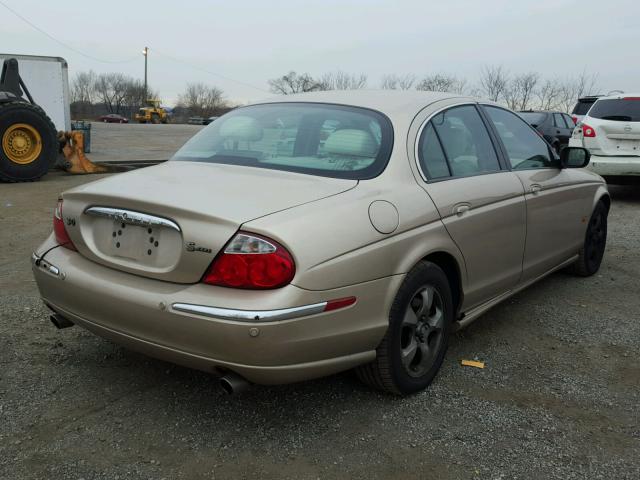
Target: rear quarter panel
[334,243]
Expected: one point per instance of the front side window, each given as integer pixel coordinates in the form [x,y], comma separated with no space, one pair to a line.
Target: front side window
[524,146]
[458,140]
[312,138]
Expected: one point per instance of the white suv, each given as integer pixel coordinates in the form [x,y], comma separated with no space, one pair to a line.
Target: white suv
[611,133]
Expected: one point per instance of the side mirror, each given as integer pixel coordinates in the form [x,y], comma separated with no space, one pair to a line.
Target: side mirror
[574,157]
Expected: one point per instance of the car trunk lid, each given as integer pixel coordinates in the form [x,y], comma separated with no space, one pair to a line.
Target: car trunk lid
[169,221]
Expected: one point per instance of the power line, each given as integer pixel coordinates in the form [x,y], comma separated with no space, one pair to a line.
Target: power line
[209,71]
[60,41]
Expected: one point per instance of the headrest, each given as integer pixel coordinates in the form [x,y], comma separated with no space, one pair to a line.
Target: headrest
[241,128]
[351,142]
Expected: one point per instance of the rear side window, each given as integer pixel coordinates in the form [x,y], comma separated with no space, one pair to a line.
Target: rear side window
[583,106]
[432,160]
[312,138]
[525,148]
[463,143]
[617,109]
[569,120]
[558,120]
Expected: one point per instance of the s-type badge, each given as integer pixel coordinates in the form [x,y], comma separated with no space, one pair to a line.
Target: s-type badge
[192,247]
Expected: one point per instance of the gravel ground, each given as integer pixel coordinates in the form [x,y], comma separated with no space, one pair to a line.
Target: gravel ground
[558,399]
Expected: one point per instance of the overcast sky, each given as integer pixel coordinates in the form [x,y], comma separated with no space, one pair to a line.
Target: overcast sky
[248,42]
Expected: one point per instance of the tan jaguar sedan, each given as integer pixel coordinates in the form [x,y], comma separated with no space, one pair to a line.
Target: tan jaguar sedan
[315,233]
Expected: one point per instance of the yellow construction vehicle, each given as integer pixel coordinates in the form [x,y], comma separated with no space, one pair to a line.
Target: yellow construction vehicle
[152,113]
[29,141]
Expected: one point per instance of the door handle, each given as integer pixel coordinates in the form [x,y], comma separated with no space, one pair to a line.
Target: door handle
[461,209]
[535,188]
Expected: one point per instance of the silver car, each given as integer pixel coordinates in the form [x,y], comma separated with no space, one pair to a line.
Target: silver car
[315,233]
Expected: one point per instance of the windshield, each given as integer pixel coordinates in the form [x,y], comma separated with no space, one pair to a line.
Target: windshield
[617,109]
[312,138]
[533,118]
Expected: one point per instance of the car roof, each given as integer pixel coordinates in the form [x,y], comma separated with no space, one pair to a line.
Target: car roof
[619,96]
[390,102]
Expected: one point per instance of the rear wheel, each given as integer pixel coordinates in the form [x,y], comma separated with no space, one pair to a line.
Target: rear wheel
[413,349]
[28,142]
[595,242]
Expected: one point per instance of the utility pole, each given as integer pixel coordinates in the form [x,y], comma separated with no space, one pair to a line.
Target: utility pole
[145,52]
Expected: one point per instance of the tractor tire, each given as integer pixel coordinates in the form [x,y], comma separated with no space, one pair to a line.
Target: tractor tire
[28,144]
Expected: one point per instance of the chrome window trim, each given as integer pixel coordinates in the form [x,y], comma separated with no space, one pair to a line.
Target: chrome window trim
[250,315]
[131,217]
[419,135]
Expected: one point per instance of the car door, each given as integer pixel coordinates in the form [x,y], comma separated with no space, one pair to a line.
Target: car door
[555,201]
[481,204]
[561,129]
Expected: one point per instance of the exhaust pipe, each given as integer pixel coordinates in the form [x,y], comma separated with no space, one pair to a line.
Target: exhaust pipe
[60,322]
[233,383]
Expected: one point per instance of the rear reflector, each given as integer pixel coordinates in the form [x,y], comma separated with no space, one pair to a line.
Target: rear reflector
[339,303]
[587,131]
[59,230]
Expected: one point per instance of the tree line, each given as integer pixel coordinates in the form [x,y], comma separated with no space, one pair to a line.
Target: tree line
[96,94]
[518,91]
[93,95]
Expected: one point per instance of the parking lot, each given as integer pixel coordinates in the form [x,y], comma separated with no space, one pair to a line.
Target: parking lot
[558,397]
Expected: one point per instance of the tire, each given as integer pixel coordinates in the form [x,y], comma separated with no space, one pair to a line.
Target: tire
[35,119]
[595,242]
[413,349]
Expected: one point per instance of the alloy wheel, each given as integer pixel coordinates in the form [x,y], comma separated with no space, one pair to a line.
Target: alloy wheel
[422,331]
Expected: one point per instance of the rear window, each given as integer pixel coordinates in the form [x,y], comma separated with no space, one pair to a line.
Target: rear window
[583,106]
[533,118]
[617,109]
[312,138]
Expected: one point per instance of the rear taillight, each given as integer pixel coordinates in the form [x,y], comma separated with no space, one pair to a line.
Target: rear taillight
[575,120]
[62,237]
[587,131]
[253,262]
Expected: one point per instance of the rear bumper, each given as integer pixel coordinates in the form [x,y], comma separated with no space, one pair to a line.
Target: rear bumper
[614,166]
[290,345]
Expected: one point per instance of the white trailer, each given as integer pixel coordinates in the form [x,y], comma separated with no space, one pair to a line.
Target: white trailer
[47,80]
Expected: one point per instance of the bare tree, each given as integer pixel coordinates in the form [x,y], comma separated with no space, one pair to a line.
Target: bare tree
[520,90]
[442,82]
[494,81]
[83,87]
[111,90]
[342,81]
[201,99]
[572,89]
[398,82]
[293,83]
[549,94]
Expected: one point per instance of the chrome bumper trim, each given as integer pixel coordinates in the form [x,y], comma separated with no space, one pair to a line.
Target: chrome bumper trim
[250,315]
